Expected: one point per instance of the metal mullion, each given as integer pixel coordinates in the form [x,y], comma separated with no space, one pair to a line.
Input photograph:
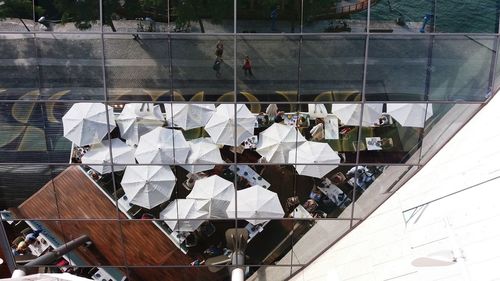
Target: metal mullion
[105,88]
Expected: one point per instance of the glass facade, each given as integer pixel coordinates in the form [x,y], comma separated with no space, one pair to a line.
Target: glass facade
[297,119]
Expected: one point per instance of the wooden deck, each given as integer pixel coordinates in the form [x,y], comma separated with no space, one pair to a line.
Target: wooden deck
[76,196]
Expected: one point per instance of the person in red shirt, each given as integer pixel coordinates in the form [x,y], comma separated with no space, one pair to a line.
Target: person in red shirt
[247,66]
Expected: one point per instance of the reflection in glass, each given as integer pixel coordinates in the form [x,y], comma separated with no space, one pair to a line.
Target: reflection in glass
[268,16]
[396,68]
[460,68]
[192,66]
[331,68]
[274,63]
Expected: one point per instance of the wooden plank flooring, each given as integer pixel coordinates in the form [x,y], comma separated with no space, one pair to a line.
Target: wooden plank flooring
[143,243]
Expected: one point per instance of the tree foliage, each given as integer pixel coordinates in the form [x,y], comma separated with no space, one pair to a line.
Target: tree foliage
[84,13]
[20,9]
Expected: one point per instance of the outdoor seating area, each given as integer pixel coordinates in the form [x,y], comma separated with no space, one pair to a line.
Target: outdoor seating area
[177,168]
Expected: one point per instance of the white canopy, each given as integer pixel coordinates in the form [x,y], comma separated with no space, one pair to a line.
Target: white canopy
[221,125]
[317,110]
[276,142]
[272,110]
[314,153]
[217,190]
[136,119]
[148,186]
[86,123]
[203,151]
[350,113]
[99,154]
[410,114]
[159,146]
[189,115]
[256,204]
[180,209]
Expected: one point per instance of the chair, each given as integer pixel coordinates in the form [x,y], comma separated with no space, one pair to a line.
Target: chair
[191,240]
[26,231]
[16,241]
[291,203]
[207,229]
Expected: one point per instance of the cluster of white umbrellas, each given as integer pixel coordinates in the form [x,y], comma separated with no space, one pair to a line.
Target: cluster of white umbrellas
[407,114]
[214,197]
[136,119]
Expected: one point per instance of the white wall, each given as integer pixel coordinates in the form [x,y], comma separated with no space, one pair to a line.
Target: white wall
[465,225]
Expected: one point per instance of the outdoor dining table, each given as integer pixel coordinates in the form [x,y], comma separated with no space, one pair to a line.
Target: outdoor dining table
[39,247]
[252,176]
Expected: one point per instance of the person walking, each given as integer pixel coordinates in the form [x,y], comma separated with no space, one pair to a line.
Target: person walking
[216,67]
[219,49]
[247,66]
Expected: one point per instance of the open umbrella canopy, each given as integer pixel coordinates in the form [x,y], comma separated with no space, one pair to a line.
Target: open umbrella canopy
[317,110]
[221,125]
[176,213]
[99,155]
[148,186]
[162,146]
[136,119]
[189,115]
[86,123]
[272,109]
[410,114]
[276,142]
[256,204]
[204,153]
[314,153]
[218,191]
[350,113]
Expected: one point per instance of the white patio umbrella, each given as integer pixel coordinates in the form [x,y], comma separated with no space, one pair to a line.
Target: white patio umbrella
[189,116]
[148,186]
[203,151]
[317,110]
[256,204]
[86,123]
[272,110]
[136,119]
[218,191]
[276,142]
[350,113]
[221,125]
[179,210]
[162,146]
[313,153]
[99,154]
[410,114]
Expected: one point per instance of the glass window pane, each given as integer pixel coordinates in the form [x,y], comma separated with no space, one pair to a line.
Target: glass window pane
[461,67]
[71,16]
[202,16]
[268,16]
[18,78]
[137,71]
[70,63]
[267,67]
[374,184]
[447,119]
[331,68]
[334,16]
[396,67]
[18,15]
[194,76]
[28,188]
